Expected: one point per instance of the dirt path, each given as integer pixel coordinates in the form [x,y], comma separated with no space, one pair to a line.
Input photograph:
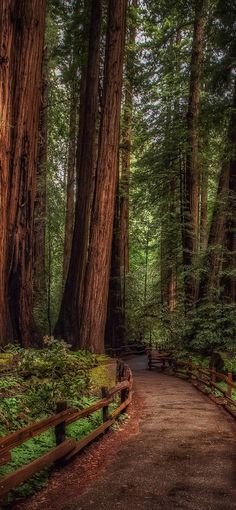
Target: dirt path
[183,456]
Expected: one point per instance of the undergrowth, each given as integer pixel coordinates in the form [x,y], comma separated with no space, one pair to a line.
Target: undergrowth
[30,393]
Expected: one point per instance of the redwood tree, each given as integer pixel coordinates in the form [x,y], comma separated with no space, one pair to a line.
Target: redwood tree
[39,273]
[222,232]
[93,317]
[21,38]
[67,326]
[126,141]
[70,179]
[191,188]
[115,322]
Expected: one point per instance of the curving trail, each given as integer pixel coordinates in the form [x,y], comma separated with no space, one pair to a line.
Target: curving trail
[177,451]
[184,455]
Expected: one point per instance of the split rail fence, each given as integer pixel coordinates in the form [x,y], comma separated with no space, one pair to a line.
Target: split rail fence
[65,448]
[205,380]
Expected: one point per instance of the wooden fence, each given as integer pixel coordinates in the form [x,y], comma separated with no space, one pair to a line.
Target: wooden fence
[65,448]
[205,380]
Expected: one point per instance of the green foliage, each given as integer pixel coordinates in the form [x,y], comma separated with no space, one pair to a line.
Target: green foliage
[212,326]
[41,378]
[162,84]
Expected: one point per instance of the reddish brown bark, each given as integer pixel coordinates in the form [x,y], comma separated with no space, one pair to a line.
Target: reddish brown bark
[168,280]
[115,327]
[209,285]
[6,35]
[39,277]
[94,310]
[168,264]
[203,216]
[191,189]
[69,318]
[229,279]
[70,181]
[224,210]
[126,146]
[22,33]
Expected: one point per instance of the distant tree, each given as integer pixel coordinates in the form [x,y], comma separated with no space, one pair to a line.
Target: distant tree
[191,178]
[221,242]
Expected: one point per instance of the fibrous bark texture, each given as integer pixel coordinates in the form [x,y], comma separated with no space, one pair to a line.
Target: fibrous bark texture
[223,229]
[93,317]
[39,276]
[126,145]
[21,39]
[115,324]
[191,182]
[70,181]
[69,318]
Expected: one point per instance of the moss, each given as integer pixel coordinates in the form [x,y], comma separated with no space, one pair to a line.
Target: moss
[104,375]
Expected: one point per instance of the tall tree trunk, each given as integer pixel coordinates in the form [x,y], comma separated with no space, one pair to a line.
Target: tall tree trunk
[168,248]
[70,181]
[191,189]
[209,286]
[203,209]
[39,276]
[93,317]
[6,36]
[126,144]
[229,277]
[115,327]
[22,35]
[67,326]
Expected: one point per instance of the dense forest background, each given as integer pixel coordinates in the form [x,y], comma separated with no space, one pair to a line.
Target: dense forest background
[118,173]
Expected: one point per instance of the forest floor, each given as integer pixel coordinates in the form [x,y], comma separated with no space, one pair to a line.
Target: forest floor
[178,450]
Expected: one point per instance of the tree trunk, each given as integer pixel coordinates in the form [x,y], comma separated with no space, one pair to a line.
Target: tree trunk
[126,146]
[209,286]
[69,318]
[93,317]
[70,181]
[39,276]
[203,216]
[22,35]
[6,35]
[191,189]
[115,327]
[229,277]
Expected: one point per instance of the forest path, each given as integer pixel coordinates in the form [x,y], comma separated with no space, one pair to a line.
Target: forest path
[178,450]
[184,455]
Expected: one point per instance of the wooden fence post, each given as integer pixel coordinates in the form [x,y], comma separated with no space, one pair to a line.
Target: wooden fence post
[120,370]
[229,387]
[60,429]
[124,394]
[105,410]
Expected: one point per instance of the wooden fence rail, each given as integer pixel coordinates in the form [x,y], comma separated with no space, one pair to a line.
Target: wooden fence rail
[200,377]
[66,448]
